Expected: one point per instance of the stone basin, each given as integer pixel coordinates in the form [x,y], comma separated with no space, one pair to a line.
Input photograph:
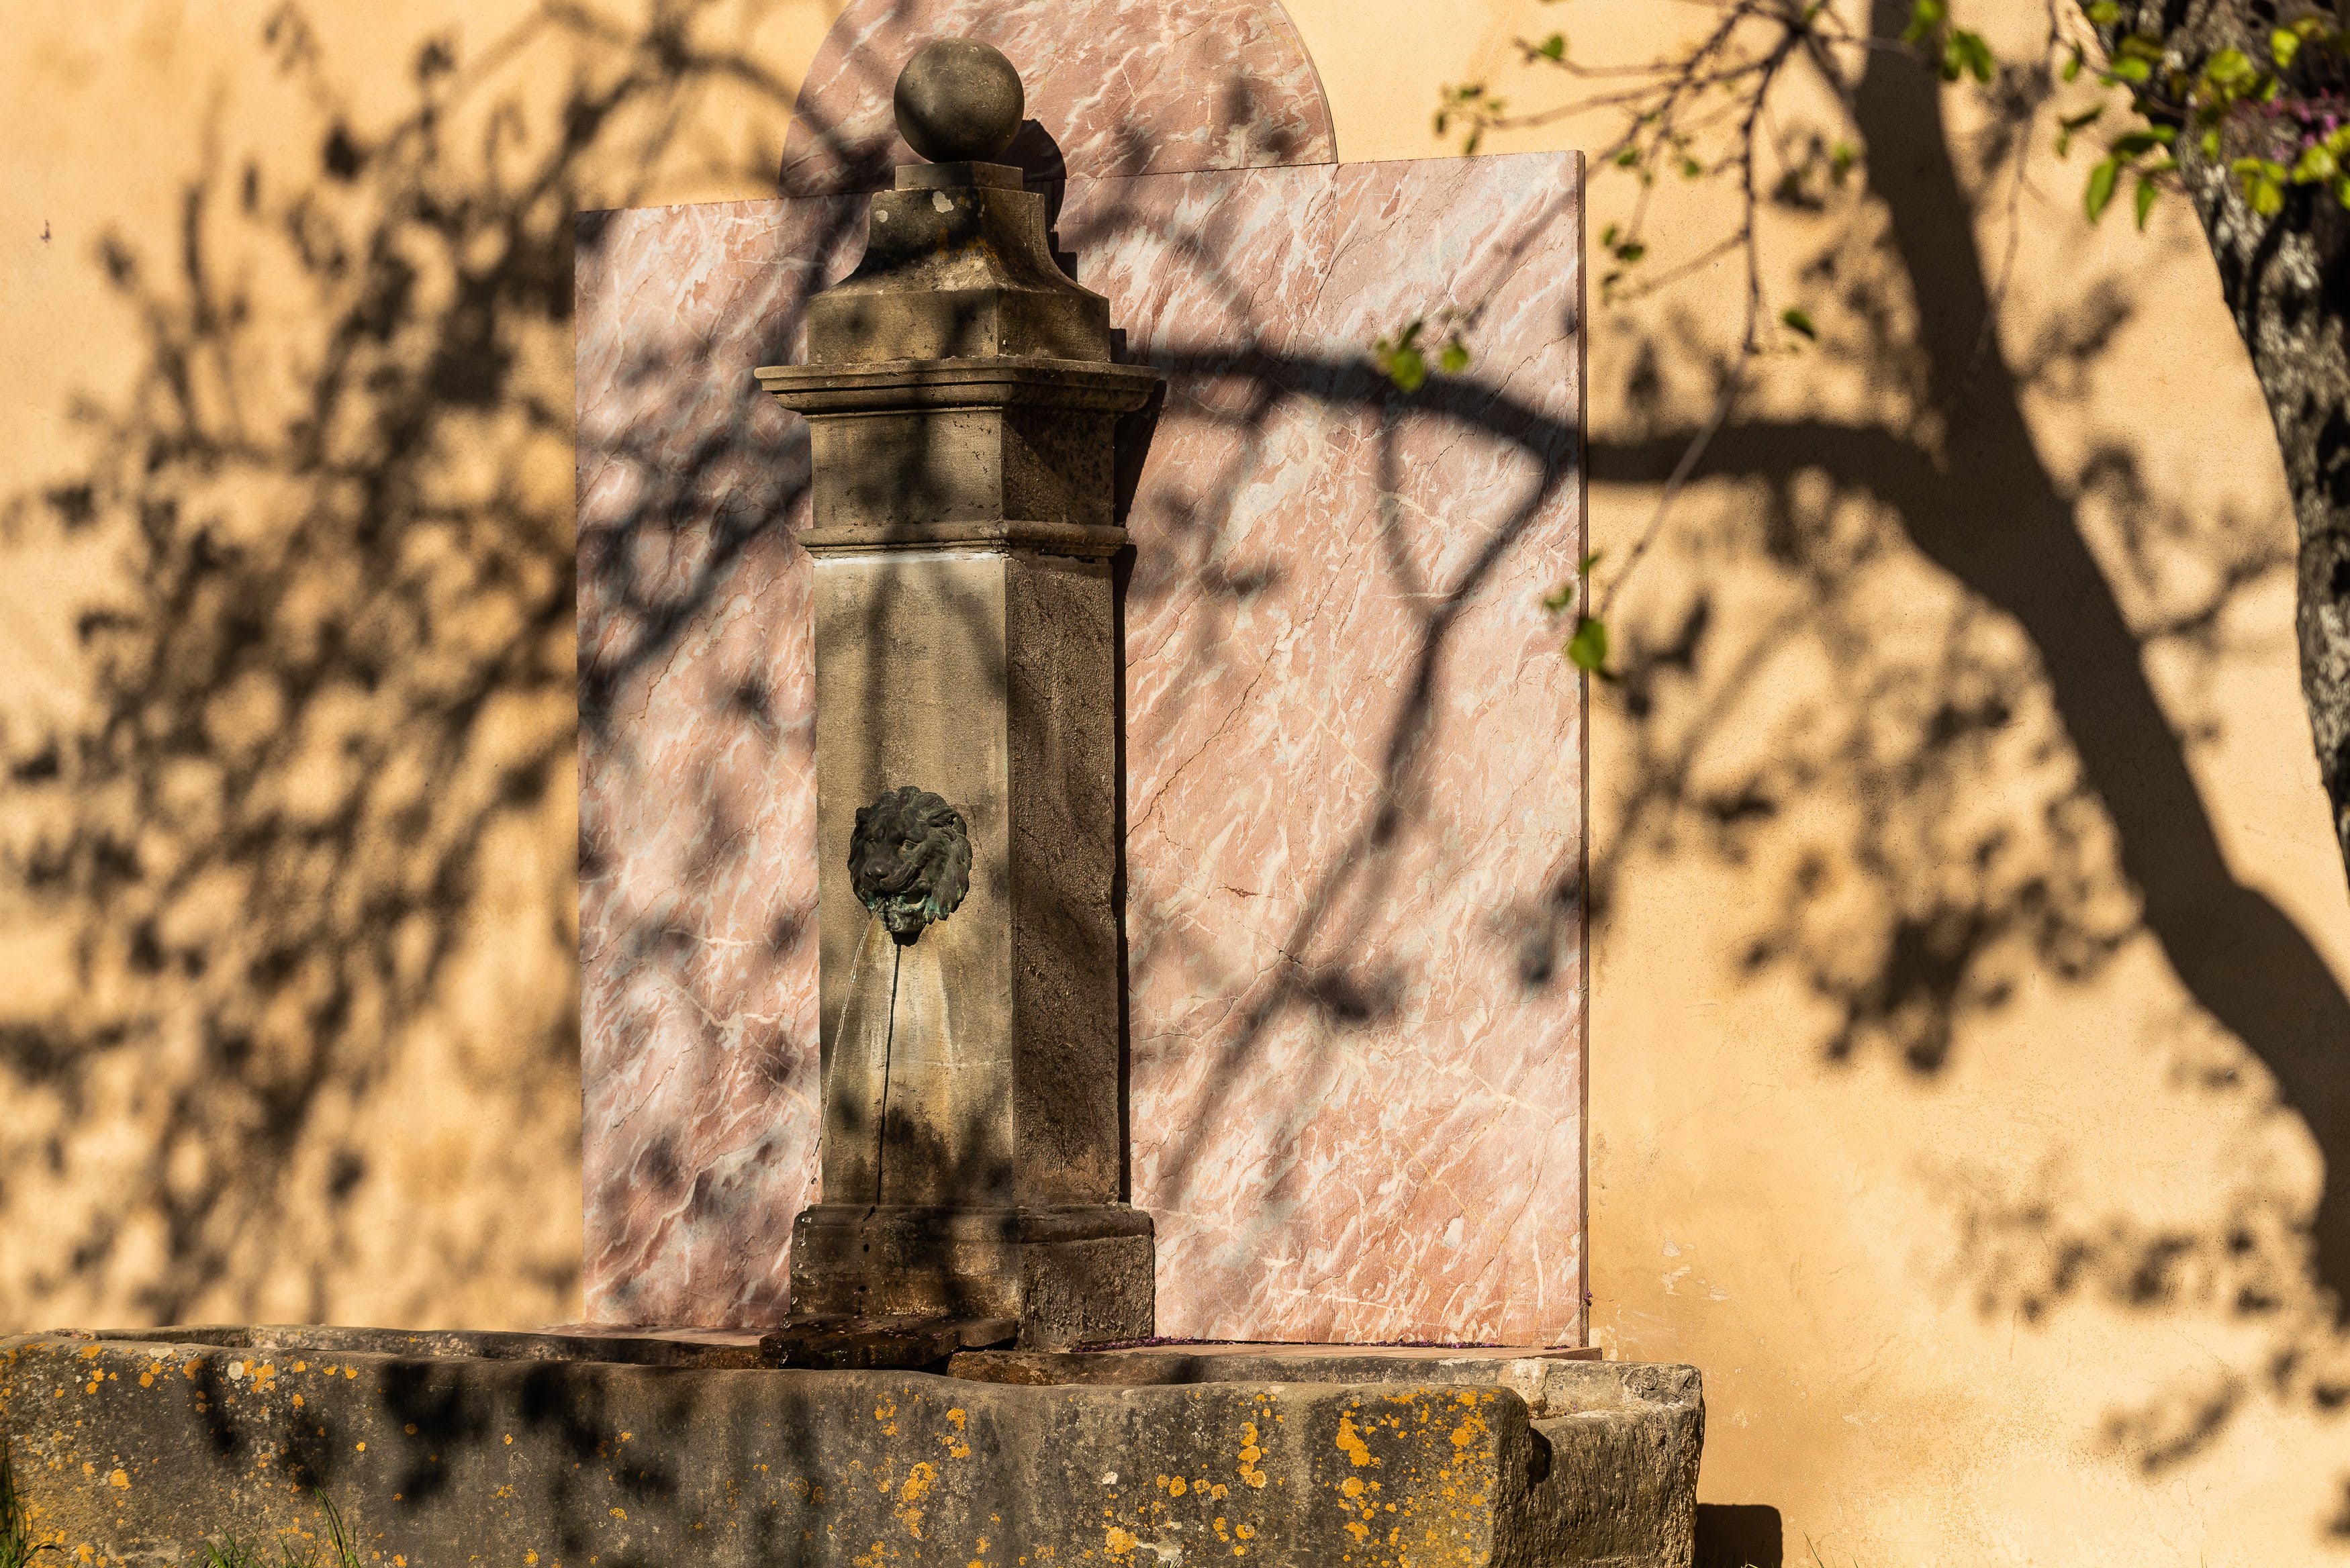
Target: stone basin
[643,1448]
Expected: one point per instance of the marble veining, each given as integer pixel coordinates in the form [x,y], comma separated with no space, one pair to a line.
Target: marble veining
[1114,87]
[697,819]
[1354,757]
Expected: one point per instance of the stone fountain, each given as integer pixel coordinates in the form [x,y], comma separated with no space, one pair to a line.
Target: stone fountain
[962,401]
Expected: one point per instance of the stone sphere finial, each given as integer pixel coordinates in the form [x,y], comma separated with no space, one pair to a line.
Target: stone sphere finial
[959,101]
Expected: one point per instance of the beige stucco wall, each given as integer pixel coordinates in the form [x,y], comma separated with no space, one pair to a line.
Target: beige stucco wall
[1969,940]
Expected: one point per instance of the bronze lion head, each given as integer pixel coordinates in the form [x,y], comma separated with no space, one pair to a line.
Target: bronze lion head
[909,860]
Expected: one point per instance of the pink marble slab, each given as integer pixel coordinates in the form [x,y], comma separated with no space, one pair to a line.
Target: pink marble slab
[1121,86]
[1353,758]
[697,878]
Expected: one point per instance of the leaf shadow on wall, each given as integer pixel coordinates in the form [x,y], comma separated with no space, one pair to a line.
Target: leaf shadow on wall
[308,840]
[1981,790]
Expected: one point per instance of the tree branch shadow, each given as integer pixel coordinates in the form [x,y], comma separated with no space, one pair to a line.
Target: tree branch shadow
[1953,776]
[300,846]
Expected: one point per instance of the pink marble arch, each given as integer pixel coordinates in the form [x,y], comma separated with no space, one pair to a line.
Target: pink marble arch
[1121,86]
[1353,760]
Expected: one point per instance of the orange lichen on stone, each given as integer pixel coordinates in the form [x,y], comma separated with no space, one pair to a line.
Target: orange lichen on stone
[1350,1442]
[1251,1452]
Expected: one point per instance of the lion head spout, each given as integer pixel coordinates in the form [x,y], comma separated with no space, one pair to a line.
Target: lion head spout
[909,860]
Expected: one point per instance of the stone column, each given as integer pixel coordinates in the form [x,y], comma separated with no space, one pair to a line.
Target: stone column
[961,402]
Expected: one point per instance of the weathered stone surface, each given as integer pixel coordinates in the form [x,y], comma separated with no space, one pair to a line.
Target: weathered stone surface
[1619,1482]
[1067,1275]
[1527,1370]
[956,271]
[957,101]
[132,1452]
[974,1161]
[881,1343]
[909,443]
[1613,1475]
[669,1347]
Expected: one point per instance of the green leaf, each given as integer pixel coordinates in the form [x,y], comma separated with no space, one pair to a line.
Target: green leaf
[2128,71]
[2088,117]
[1455,357]
[1691,169]
[2146,191]
[1589,646]
[2341,189]
[2101,187]
[1553,47]
[1607,236]
[1926,18]
[1399,358]
[2316,167]
[2263,182]
[1796,321]
[1559,598]
[2210,142]
[2130,145]
[1583,568]
[1630,250]
[1841,158]
[2072,71]
[1626,159]
[1974,53]
[2284,45]
[2228,68]
[2104,12]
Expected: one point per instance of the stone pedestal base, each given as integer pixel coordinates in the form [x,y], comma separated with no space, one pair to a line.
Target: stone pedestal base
[1069,1276]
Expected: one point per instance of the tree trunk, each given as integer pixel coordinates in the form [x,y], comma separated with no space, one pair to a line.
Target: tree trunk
[2286,283]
